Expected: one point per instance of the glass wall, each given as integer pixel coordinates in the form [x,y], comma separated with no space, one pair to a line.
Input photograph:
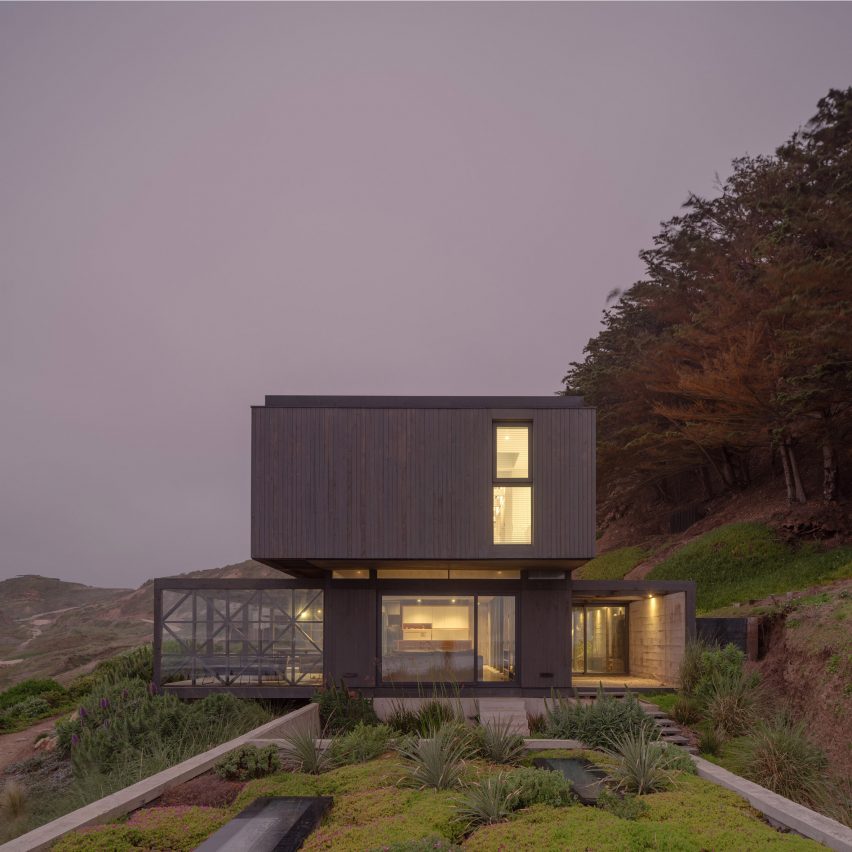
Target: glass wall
[431,638]
[236,637]
[599,639]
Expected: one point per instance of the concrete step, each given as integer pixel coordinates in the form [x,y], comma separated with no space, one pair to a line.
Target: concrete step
[511,711]
[677,739]
[665,723]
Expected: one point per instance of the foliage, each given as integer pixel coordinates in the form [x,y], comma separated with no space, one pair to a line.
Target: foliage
[434,714]
[303,752]
[664,700]
[686,710]
[643,765]
[537,723]
[436,761]
[778,755]
[736,339]
[425,844]
[627,806]
[30,689]
[403,719]
[540,787]
[341,708]
[247,762]
[363,743]
[33,707]
[678,759]
[136,664]
[177,829]
[596,724]
[703,664]
[14,799]
[128,723]
[496,741]
[733,702]
[710,741]
[746,561]
[487,801]
[614,565]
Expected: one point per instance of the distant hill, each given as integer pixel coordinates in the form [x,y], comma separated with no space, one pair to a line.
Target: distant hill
[53,628]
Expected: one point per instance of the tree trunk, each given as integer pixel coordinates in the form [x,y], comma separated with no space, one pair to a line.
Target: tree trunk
[829,471]
[794,471]
[727,470]
[704,479]
[788,476]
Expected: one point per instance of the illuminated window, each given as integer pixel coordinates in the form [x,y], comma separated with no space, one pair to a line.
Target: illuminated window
[512,501]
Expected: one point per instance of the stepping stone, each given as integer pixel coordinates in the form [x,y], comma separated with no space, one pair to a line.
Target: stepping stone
[273,824]
[677,739]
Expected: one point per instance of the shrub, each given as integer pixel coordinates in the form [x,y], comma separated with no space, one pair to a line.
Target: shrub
[14,800]
[677,759]
[30,708]
[434,714]
[733,699]
[686,710]
[537,723]
[597,724]
[403,719]
[304,753]
[436,761]
[363,743]
[487,801]
[779,756]
[642,764]
[29,689]
[710,741]
[625,807]
[541,787]
[341,709]
[128,724]
[247,762]
[497,742]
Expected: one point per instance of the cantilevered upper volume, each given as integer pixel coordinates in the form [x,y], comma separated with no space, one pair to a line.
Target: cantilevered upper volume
[412,481]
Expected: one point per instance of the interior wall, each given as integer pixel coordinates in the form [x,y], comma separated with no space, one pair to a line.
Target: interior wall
[657,629]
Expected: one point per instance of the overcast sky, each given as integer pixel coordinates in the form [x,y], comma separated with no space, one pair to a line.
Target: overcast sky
[203,204]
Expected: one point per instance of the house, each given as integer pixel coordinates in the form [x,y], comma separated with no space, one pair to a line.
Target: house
[421,540]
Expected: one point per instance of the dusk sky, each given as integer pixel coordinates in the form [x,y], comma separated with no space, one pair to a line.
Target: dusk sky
[202,204]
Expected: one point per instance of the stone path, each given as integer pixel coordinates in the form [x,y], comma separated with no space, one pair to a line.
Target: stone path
[503,710]
[669,730]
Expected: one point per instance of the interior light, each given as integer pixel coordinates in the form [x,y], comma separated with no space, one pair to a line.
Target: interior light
[453,600]
[419,600]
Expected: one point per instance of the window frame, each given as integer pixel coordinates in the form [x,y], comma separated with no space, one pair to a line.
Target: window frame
[395,592]
[504,482]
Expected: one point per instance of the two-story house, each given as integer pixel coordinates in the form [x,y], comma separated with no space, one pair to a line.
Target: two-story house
[421,540]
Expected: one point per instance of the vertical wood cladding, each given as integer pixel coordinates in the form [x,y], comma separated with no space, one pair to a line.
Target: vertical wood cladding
[545,658]
[350,635]
[412,483]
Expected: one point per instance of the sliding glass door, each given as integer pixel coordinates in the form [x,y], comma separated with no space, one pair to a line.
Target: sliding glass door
[599,639]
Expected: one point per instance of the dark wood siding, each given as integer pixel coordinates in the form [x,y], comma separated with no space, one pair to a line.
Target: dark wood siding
[350,635]
[412,483]
[545,652]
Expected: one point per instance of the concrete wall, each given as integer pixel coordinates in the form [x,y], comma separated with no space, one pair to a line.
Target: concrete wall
[657,628]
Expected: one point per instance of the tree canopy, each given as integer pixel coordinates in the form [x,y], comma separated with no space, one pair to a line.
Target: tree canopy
[738,338]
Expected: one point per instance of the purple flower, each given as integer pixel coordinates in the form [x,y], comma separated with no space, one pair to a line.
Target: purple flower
[74,740]
[83,713]
[104,704]
[124,693]
[152,688]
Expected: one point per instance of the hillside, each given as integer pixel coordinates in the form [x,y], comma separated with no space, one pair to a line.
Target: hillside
[52,628]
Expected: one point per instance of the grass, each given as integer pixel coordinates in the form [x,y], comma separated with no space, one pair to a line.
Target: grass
[613,565]
[746,561]
[373,811]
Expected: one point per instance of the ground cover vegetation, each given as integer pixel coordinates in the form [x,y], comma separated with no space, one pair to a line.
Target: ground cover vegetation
[740,727]
[735,343]
[122,729]
[386,803]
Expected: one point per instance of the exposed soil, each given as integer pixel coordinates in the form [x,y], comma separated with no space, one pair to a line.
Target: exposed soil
[19,746]
[808,666]
[208,790]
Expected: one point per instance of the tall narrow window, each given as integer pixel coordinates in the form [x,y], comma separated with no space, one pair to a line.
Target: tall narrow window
[512,486]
